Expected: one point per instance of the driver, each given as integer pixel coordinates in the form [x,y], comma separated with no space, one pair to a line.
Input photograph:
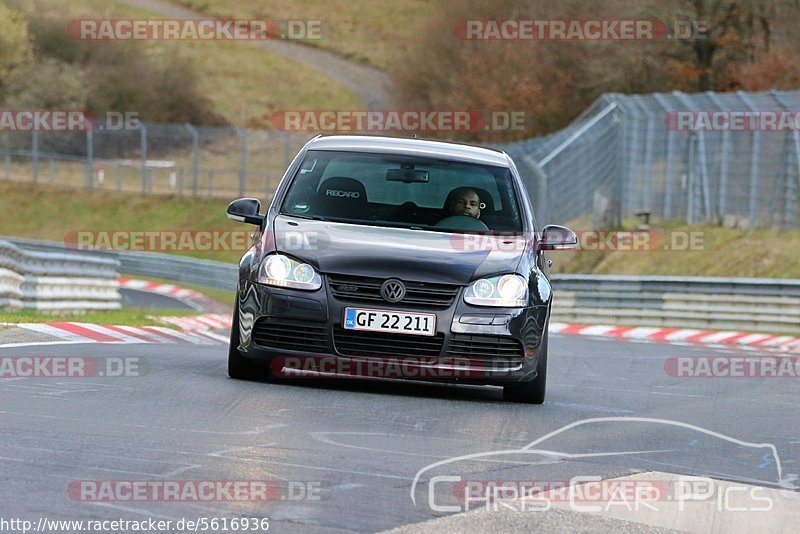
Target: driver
[465,202]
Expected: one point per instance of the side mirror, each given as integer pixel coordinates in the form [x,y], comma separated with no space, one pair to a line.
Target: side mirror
[246,210]
[555,237]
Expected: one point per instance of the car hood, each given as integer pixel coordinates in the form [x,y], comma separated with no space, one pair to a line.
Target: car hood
[339,248]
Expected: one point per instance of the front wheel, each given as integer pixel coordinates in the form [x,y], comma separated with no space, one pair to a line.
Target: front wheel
[239,367]
[532,392]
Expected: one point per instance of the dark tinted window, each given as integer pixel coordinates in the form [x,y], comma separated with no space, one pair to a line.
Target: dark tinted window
[399,190]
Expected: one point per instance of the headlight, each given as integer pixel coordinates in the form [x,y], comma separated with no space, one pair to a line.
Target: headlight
[280,270]
[508,290]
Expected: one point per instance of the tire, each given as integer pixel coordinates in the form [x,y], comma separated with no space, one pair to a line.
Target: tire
[239,367]
[532,392]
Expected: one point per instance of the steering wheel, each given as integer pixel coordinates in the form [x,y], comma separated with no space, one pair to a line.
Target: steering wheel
[461,222]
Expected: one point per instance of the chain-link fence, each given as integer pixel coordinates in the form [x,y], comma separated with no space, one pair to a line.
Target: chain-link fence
[626,154]
[153,159]
[729,158]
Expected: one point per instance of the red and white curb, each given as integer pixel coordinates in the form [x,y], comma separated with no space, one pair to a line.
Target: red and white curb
[193,298]
[163,289]
[727,339]
[199,323]
[93,333]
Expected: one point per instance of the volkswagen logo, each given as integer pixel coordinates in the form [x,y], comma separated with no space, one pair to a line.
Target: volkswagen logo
[393,290]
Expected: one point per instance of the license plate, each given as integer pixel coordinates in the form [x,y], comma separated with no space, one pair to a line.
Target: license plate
[421,324]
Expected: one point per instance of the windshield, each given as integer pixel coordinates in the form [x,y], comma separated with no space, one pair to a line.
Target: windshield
[404,191]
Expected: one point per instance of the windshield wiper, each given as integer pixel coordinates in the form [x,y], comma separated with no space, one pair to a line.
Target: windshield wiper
[308,217]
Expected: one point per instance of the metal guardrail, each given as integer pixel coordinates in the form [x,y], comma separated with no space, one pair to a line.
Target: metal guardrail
[56,281]
[746,304]
[214,274]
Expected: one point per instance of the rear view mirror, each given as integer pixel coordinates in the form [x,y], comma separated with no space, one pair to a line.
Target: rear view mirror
[408,176]
[246,210]
[556,237]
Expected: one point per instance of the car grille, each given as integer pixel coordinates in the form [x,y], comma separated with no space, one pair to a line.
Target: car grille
[418,294]
[277,333]
[492,351]
[385,344]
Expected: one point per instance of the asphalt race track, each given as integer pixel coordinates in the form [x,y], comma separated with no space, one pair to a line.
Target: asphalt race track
[147,300]
[357,445]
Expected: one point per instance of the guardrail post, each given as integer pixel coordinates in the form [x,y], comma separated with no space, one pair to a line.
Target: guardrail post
[754,165]
[790,193]
[701,146]
[621,116]
[647,184]
[89,169]
[722,203]
[143,147]
[195,155]
[690,179]
[701,143]
[666,209]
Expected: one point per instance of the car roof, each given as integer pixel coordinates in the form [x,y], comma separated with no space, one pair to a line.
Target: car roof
[416,147]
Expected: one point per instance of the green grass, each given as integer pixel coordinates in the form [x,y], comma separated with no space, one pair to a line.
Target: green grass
[365,30]
[724,252]
[221,296]
[49,213]
[247,83]
[244,82]
[128,317]
[44,212]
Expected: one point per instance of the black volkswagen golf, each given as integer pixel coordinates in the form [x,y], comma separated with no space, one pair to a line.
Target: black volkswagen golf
[378,249]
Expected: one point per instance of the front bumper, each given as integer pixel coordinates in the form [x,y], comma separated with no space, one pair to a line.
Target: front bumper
[476,345]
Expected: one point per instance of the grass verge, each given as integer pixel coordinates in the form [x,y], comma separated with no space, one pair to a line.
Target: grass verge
[45,212]
[220,296]
[245,83]
[724,252]
[364,30]
[129,317]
